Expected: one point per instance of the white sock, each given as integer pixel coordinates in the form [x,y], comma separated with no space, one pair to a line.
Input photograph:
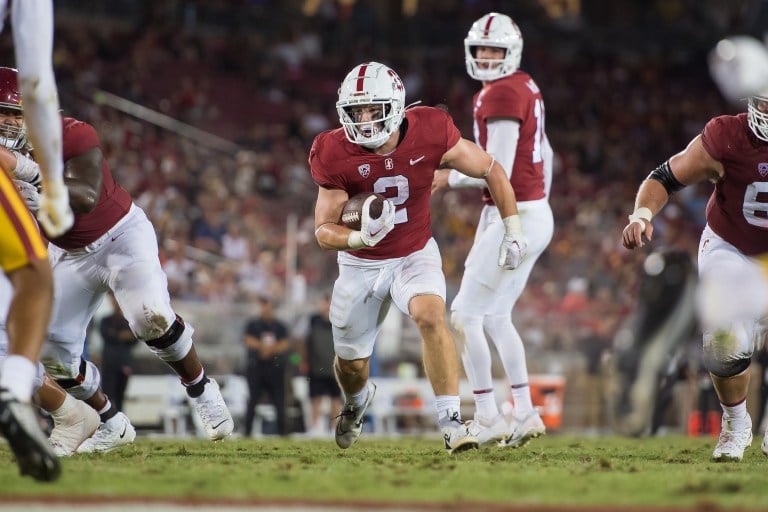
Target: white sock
[521,396]
[737,415]
[447,405]
[107,405]
[359,398]
[17,375]
[485,403]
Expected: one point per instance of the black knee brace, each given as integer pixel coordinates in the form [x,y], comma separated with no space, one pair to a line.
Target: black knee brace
[725,369]
[169,337]
[70,383]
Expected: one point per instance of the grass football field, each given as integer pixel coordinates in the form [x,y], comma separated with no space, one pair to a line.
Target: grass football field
[598,473]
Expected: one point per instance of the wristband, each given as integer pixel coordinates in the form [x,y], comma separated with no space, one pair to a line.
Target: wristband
[642,215]
[355,240]
[513,226]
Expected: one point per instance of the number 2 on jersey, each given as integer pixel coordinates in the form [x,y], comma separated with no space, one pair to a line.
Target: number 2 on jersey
[399,182]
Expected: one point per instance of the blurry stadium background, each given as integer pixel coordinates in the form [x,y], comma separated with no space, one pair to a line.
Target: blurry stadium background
[207,108]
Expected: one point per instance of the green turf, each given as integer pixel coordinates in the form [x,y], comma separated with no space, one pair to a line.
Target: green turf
[556,469]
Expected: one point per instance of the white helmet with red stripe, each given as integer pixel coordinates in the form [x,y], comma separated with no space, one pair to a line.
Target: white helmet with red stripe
[497,31]
[371,85]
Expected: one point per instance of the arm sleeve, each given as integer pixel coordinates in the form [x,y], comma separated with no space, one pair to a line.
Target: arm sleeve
[548,155]
[503,135]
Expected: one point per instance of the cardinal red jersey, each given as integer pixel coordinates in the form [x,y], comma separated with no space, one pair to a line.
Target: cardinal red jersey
[738,207]
[403,176]
[515,96]
[114,201]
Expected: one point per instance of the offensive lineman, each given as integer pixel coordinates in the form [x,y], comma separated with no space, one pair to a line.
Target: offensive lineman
[111,246]
[731,152]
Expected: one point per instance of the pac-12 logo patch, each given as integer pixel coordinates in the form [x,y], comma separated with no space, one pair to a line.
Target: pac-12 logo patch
[364,170]
[762,168]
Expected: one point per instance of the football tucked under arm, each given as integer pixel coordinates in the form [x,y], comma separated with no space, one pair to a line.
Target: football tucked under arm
[370,216]
[352,214]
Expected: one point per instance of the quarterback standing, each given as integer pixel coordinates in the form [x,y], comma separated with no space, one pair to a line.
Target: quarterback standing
[386,149]
[509,124]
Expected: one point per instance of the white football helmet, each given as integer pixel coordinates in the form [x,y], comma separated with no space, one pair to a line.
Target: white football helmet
[499,31]
[739,67]
[371,84]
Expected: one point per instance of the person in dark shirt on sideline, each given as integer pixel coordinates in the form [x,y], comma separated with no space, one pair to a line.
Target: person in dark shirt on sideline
[266,339]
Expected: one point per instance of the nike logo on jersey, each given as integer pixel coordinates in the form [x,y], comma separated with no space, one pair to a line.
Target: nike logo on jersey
[117,236]
[414,162]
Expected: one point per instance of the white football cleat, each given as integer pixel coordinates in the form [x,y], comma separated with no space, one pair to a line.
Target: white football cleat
[117,431]
[349,423]
[490,431]
[764,445]
[732,443]
[459,436]
[213,411]
[73,423]
[524,429]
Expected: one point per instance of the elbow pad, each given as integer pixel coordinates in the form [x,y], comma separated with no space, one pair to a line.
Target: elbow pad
[663,174]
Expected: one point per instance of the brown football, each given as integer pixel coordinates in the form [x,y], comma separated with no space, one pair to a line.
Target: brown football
[352,213]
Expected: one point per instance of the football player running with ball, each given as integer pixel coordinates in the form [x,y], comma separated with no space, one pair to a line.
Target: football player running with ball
[509,124]
[385,149]
[111,246]
[732,153]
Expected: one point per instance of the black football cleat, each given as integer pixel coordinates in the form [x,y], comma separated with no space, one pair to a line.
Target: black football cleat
[33,452]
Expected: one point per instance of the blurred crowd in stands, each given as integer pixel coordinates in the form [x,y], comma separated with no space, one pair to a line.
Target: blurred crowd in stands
[625,83]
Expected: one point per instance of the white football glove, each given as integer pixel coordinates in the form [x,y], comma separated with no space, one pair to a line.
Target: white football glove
[513,245]
[373,231]
[55,215]
[26,169]
[29,193]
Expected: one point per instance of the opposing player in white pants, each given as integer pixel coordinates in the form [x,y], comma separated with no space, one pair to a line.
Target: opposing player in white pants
[112,246]
[509,124]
